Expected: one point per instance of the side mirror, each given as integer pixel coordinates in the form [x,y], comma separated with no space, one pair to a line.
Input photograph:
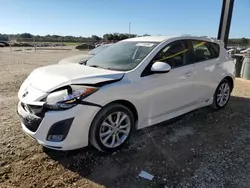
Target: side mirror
[160,67]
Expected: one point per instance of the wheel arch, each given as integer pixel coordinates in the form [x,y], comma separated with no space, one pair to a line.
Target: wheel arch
[230,79]
[130,106]
[231,82]
[123,102]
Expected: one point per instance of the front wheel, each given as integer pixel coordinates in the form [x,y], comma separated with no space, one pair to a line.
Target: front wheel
[222,94]
[111,127]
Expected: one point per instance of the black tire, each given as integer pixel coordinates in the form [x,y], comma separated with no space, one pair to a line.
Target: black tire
[94,134]
[215,104]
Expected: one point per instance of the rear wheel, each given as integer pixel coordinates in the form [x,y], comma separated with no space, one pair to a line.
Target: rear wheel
[222,94]
[111,128]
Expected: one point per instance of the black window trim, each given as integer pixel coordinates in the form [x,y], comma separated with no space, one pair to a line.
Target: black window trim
[147,72]
[209,47]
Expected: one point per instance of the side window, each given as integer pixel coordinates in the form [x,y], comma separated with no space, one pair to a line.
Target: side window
[215,48]
[202,51]
[175,54]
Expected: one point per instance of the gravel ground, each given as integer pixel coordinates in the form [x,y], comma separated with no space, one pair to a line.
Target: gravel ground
[204,148]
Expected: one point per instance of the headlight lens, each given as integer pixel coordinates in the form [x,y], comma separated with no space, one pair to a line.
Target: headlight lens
[68,98]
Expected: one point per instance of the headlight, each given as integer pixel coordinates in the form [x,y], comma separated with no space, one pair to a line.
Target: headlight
[68,98]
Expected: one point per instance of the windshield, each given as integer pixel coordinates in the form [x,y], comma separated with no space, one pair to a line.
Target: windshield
[98,49]
[124,55]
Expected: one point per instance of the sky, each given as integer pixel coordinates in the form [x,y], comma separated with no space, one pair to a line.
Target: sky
[97,17]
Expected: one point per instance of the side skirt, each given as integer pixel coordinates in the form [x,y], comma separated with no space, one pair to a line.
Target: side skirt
[172,115]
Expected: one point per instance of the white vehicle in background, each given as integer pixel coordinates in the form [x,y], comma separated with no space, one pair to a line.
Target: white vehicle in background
[84,57]
[231,52]
[245,51]
[133,84]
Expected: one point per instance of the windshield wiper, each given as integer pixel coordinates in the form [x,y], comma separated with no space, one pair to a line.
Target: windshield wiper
[83,63]
[97,66]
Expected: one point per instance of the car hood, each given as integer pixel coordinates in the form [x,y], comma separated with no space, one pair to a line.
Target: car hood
[51,77]
[75,59]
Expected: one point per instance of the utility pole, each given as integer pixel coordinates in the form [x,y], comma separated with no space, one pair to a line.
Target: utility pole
[129,28]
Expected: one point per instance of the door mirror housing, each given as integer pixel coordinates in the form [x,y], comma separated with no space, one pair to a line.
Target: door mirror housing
[160,67]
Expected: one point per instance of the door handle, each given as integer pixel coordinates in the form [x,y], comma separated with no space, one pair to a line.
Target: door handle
[188,74]
[217,64]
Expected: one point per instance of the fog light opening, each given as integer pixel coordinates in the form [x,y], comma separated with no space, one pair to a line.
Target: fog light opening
[59,130]
[55,137]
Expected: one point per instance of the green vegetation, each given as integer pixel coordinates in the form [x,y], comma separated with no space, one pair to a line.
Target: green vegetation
[27,37]
[239,41]
[72,40]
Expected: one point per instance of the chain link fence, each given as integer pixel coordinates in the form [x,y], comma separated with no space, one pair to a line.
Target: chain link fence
[33,45]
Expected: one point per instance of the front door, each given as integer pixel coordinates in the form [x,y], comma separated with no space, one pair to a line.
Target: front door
[167,93]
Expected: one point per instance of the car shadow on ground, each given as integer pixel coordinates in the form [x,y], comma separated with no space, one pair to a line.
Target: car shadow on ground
[171,151]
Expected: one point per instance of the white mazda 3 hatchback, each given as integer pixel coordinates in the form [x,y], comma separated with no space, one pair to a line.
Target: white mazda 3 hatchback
[133,84]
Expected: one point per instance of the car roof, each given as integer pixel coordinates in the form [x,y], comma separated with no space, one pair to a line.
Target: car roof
[109,44]
[165,38]
[149,39]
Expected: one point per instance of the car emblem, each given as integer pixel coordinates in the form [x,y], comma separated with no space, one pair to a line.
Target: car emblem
[25,94]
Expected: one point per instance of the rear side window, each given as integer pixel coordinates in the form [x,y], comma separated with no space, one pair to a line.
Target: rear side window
[215,49]
[204,50]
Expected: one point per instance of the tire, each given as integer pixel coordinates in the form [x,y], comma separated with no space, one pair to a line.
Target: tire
[107,133]
[218,102]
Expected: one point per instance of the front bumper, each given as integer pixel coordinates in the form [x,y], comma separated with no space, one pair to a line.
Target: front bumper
[38,126]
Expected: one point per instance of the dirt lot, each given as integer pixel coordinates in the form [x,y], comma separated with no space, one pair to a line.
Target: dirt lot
[201,149]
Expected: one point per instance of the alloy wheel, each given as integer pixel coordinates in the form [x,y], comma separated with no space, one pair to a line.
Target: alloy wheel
[115,129]
[223,94]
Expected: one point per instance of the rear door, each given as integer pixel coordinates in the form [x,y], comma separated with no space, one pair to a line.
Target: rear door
[207,64]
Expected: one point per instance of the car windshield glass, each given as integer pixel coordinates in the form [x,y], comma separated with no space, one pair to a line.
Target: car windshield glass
[124,55]
[98,49]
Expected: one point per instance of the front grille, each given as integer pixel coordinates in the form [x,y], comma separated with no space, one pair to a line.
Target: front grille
[30,123]
[33,116]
